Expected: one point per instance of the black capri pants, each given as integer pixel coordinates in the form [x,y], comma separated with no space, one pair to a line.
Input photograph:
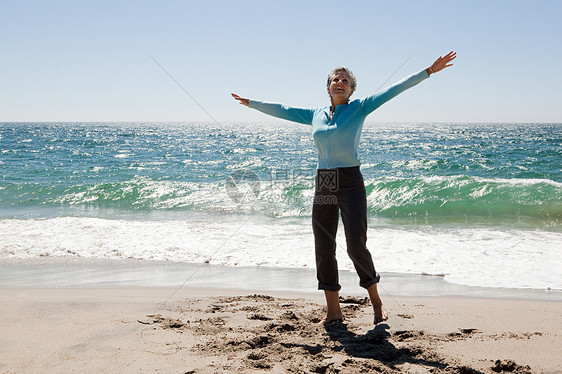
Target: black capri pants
[341,189]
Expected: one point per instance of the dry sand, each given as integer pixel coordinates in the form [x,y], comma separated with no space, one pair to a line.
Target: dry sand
[138,330]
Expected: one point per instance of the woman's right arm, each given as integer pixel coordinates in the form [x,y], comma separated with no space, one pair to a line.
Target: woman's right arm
[300,115]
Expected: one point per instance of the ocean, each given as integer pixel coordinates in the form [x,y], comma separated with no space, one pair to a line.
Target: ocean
[477,204]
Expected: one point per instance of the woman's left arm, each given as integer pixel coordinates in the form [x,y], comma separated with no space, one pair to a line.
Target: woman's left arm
[370,103]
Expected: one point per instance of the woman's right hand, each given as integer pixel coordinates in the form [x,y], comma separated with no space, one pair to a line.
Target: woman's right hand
[242,100]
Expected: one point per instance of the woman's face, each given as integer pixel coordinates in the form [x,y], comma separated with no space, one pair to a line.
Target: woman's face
[340,86]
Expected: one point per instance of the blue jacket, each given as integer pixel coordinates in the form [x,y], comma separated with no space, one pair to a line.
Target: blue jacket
[337,138]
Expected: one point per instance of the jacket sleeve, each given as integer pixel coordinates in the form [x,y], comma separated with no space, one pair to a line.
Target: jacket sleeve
[300,115]
[370,103]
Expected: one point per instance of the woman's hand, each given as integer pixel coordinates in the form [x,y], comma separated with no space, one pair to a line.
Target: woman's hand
[242,100]
[442,62]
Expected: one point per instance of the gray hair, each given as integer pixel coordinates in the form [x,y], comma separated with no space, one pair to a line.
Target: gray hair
[342,69]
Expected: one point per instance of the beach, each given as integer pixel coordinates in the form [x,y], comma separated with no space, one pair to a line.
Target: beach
[188,248]
[125,330]
[149,223]
[119,327]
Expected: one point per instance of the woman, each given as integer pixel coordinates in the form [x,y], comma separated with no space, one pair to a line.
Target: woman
[339,184]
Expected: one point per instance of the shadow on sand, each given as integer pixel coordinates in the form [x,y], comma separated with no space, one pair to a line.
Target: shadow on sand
[376,346]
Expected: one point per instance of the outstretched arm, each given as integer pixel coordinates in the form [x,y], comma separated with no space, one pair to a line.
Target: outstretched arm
[370,103]
[299,115]
[441,63]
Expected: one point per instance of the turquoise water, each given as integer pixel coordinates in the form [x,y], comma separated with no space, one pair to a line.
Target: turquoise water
[466,173]
[428,182]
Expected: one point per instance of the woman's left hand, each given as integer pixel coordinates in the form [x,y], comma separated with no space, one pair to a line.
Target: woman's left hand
[443,62]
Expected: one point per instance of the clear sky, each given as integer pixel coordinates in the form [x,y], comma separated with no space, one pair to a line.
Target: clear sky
[87,60]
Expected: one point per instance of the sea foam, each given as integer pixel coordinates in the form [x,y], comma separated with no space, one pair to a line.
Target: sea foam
[484,256]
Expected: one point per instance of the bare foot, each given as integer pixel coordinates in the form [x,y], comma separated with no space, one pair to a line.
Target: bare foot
[331,318]
[380,313]
[333,310]
[378,307]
